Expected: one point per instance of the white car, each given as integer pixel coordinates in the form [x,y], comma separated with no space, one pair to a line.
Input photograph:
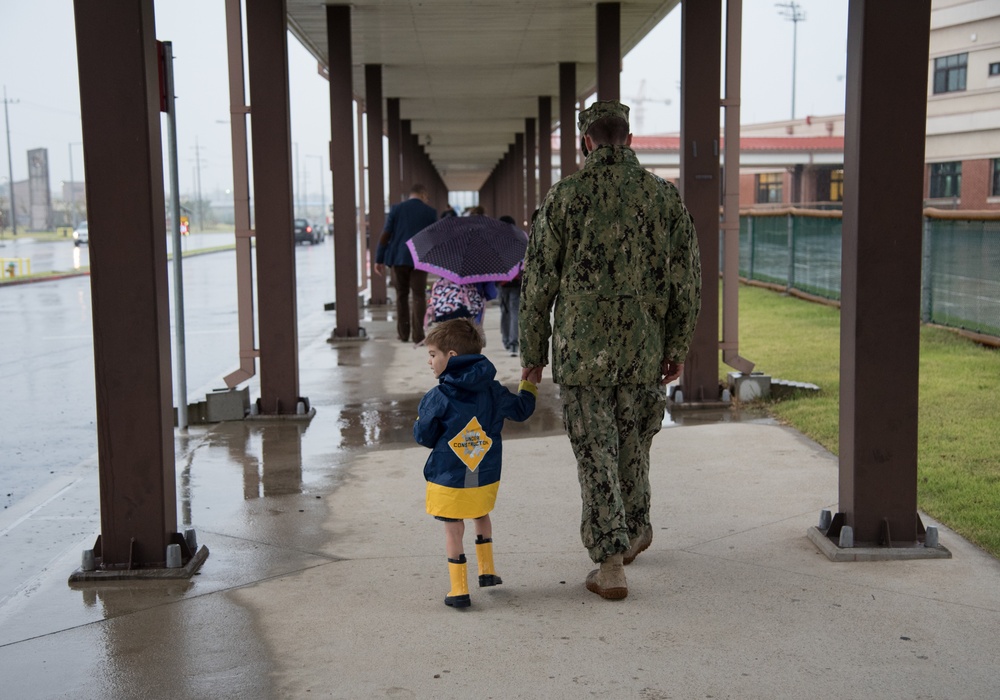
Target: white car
[81,236]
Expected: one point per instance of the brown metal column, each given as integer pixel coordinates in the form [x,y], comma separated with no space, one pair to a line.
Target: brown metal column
[609,57]
[531,197]
[267,58]
[544,146]
[393,136]
[418,166]
[567,119]
[406,151]
[486,192]
[701,65]
[376,188]
[119,104]
[345,228]
[517,177]
[887,53]
[510,180]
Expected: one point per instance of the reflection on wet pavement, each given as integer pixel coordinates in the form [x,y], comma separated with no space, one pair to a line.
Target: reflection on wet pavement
[702,416]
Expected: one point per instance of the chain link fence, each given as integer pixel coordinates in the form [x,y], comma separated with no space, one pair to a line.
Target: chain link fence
[800,250]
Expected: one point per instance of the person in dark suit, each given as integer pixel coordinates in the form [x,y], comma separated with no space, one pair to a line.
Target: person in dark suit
[406,220]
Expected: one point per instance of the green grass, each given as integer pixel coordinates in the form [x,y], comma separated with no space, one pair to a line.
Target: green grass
[958,467]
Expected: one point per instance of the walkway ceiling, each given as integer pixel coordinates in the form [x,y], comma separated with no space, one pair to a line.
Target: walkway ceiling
[469,73]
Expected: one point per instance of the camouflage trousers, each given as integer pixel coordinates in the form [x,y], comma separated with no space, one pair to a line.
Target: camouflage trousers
[611,429]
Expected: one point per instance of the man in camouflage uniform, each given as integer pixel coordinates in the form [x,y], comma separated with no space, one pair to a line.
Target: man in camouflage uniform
[613,247]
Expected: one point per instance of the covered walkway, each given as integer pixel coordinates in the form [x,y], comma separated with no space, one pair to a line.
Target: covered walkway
[551,50]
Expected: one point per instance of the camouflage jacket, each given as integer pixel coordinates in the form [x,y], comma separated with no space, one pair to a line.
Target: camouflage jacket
[614,248]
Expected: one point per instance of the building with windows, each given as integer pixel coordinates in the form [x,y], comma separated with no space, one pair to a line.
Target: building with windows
[963,106]
[800,162]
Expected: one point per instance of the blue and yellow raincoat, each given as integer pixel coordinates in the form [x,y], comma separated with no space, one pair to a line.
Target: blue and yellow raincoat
[461,420]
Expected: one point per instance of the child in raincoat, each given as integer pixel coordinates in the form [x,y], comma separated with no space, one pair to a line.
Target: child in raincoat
[460,420]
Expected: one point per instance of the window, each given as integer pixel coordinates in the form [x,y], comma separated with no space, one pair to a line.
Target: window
[995,69]
[946,180]
[769,188]
[995,186]
[837,185]
[949,73]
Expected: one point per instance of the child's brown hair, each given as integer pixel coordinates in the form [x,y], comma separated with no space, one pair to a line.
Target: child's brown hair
[458,334]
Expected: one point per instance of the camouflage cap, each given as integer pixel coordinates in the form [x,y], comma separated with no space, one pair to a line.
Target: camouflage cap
[600,109]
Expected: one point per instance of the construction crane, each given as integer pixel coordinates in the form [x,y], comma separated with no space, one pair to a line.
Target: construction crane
[638,104]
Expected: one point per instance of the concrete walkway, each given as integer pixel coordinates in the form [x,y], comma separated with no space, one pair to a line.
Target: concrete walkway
[326,577]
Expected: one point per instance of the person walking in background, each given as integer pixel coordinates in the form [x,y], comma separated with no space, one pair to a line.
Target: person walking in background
[460,420]
[510,301]
[614,248]
[405,220]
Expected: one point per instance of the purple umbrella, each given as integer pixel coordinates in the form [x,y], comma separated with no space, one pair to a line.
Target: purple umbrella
[469,249]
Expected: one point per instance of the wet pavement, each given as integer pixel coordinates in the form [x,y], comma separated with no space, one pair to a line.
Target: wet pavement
[61,255]
[47,360]
[326,577]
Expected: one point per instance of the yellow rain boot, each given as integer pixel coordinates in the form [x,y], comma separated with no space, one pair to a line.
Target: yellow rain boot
[458,596]
[484,557]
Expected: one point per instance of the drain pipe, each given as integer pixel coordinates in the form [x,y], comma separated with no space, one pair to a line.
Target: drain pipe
[177,264]
[730,225]
[238,111]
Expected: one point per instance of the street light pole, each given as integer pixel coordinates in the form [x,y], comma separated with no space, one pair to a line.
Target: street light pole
[322,192]
[10,161]
[201,208]
[298,188]
[794,14]
[72,186]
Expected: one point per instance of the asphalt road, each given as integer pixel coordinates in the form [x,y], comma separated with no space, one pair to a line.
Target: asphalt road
[47,420]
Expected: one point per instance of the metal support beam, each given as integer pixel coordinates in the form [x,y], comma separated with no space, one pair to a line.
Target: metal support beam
[119,104]
[701,36]
[609,56]
[238,111]
[267,58]
[361,203]
[730,343]
[393,132]
[376,188]
[567,119]
[345,232]
[887,54]
[531,196]
[544,146]
[518,178]
[407,166]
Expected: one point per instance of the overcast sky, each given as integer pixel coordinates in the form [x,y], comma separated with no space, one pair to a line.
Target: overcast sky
[38,68]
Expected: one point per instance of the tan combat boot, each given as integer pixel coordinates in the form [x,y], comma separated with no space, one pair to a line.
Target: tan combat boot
[609,581]
[639,544]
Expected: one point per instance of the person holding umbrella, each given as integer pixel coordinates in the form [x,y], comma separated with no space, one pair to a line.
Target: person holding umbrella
[469,254]
[405,220]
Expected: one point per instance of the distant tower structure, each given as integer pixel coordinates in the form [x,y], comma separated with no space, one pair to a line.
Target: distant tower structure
[39,194]
[637,103]
[794,14]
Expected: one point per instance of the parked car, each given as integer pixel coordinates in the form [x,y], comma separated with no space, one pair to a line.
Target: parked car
[305,231]
[81,235]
